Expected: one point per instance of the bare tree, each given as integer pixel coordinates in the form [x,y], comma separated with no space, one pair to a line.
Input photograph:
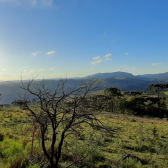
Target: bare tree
[59,119]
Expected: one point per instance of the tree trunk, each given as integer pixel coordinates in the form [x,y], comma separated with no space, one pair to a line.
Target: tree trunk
[59,149]
[52,148]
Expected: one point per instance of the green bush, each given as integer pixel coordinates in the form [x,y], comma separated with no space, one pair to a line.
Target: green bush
[11,148]
[130,163]
[1,137]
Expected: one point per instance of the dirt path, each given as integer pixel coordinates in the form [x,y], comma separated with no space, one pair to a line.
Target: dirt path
[140,119]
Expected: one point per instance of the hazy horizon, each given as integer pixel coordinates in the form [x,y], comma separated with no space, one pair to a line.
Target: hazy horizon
[66,77]
[78,38]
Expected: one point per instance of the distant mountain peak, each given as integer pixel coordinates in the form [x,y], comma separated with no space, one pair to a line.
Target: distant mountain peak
[117,74]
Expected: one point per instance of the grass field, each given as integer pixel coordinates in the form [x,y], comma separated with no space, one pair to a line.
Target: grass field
[100,92]
[136,143]
[166,92]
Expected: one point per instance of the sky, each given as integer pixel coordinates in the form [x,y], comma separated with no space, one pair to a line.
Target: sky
[76,38]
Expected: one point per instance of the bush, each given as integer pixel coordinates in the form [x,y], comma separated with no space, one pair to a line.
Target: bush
[12,148]
[1,137]
[131,163]
[20,162]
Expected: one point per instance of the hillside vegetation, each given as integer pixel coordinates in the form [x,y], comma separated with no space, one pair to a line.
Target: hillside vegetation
[79,128]
[135,144]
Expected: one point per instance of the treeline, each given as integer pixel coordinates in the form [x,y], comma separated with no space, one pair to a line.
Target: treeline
[152,102]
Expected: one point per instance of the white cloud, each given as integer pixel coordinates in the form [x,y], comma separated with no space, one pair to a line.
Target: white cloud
[32,70]
[107,58]
[96,57]
[35,53]
[133,67]
[42,70]
[5,75]
[96,62]
[51,69]
[120,69]
[50,52]
[126,53]
[107,55]
[4,69]
[157,63]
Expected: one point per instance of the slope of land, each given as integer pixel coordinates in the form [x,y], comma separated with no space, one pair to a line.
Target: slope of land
[138,142]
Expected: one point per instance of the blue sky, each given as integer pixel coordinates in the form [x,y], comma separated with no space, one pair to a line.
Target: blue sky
[76,38]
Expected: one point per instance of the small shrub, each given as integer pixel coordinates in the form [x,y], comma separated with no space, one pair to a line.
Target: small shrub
[12,148]
[1,137]
[19,163]
[16,163]
[108,139]
[25,142]
[130,163]
[155,131]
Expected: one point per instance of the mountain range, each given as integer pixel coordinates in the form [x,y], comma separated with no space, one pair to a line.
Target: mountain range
[10,90]
[129,75]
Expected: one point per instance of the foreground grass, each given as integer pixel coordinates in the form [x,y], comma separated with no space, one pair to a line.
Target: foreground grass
[135,145]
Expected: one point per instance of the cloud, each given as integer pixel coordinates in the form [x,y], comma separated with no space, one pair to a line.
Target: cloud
[107,55]
[157,63]
[133,67]
[96,57]
[50,52]
[107,58]
[51,69]
[32,70]
[5,75]
[35,53]
[104,33]
[120,69]
[4,69]
[96,62]
[41,70]
[126,53]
